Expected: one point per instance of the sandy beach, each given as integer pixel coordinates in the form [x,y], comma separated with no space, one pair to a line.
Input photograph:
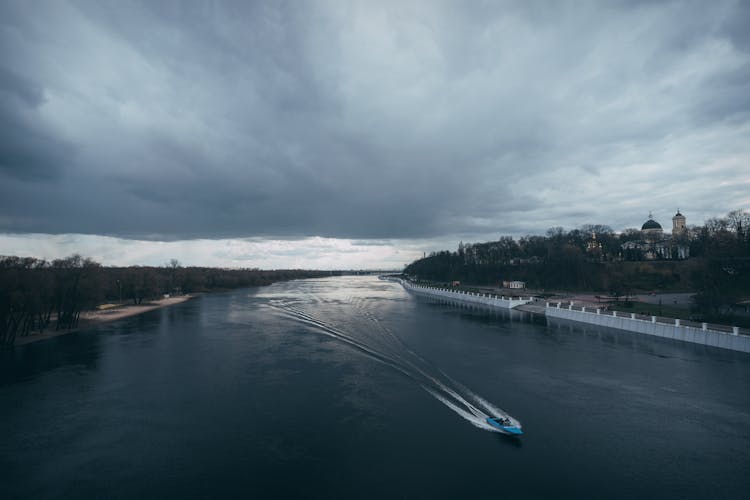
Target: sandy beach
[90,319]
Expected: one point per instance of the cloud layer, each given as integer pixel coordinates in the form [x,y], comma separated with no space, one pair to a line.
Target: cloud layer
[306,253]
[366,120]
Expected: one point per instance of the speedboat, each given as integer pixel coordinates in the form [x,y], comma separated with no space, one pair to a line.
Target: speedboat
[505,425]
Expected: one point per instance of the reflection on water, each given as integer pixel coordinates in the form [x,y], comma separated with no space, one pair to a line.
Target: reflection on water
[26,363]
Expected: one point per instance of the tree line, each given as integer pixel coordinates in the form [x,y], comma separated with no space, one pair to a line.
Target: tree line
[37,295]
[718,267]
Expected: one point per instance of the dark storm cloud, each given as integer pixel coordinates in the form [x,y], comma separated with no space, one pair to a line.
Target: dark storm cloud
[16,87]
[27,149]
[170,120]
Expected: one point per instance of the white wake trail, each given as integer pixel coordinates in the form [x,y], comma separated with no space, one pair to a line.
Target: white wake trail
[487,409]
[334,333]
[452,394]
[468,416]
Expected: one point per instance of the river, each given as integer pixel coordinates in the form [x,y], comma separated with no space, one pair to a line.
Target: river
[350,387]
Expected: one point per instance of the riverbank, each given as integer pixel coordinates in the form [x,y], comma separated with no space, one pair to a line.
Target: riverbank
[485,299]
[712,335]
[721,336]
[90,319]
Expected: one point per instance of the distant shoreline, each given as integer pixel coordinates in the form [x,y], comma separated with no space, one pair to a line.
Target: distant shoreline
[90,319]
[584,312]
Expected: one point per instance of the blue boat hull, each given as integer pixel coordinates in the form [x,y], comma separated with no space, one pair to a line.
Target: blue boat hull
[508,429]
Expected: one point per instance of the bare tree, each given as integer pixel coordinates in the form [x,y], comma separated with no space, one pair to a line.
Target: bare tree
[738,221]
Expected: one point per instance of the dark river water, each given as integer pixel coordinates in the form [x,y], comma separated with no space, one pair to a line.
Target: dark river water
[352,388]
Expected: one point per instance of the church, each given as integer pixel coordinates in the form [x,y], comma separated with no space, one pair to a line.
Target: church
[655,245]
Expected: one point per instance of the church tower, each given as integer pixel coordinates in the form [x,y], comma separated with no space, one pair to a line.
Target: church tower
[678,223]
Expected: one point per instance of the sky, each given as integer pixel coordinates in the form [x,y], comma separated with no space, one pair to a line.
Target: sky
[324,134]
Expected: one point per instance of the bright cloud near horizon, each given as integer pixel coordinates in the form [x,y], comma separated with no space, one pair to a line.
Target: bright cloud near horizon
[330,134]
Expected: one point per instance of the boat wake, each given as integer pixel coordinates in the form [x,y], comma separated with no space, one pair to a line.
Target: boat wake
[382,345]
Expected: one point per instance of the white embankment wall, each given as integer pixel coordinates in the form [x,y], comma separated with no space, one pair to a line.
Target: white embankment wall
[623,321]
[486,299]
[705,335]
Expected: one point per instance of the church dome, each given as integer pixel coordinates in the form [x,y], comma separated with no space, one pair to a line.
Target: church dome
[650,224]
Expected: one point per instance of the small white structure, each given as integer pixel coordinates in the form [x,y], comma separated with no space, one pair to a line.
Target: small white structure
[514,284]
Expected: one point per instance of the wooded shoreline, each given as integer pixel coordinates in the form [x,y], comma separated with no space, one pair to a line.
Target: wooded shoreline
[39,297]
[91,319]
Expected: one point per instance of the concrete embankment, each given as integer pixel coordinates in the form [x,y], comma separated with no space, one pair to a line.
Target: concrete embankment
[723,337]
[711,335]
[534,308]
[486,299]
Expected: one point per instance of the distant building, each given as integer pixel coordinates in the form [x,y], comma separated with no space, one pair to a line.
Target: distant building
[652,229]
[655,245]
[517,261]
[678,224]
[514,284]
[594,248]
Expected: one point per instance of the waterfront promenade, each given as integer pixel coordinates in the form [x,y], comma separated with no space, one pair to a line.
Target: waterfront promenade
[721,336]
[487,299]
[712,335]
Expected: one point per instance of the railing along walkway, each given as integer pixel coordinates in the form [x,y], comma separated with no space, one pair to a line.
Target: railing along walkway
[732,330]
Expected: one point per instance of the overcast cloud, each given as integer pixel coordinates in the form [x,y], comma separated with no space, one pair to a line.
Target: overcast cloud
[355,121]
